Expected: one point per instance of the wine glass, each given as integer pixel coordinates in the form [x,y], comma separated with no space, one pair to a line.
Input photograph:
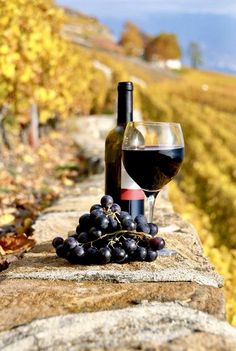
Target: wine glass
[152,154]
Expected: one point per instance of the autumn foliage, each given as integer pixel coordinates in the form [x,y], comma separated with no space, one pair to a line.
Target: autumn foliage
[38,66]
[32,58]
[132,40]
[162,47]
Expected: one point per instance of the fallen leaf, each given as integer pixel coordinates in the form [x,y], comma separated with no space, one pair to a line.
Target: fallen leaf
[6,219]
[13,242]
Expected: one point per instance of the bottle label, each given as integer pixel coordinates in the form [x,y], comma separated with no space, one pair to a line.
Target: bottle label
[129,189]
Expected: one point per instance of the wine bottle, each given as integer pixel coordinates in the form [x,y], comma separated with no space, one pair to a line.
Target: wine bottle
[118,183]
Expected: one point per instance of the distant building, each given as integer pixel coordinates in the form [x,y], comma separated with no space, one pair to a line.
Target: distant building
[172,64]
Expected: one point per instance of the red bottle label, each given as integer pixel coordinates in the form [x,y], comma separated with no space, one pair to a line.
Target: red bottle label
[129,189]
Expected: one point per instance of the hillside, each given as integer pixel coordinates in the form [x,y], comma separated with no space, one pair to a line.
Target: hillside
[88,31]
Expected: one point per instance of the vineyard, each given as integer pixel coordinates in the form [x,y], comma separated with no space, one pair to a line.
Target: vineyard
[39,67]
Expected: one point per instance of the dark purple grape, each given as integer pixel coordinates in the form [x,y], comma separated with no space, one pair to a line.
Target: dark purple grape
[113,224]
[144,242]
[57,241]
[153,229]
[96,207]
[102,222]
[83,237]
[72,259]
[123,215]
[140,219]
[106,201]
[95,233]
[128,224]
[85,221]
[130,245]
[70,243]
[118,254]
[61,251]
[116,208]
[141,227]
[123,260]
[151,255]
[102,242]
[157,243]
[78,251]
[104,255]
[95,214]
[92,255]
[78,229]
[140,253]
[84,218]
[130,235]
[76,256]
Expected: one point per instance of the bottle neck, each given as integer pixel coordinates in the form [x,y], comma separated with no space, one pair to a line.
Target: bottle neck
[124,107]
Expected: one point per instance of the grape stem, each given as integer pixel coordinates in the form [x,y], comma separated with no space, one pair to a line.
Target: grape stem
[109,212]
[120,233]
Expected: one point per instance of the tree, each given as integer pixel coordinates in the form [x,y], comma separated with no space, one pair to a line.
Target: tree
[162,47]
[132,40]
[37,65]
[195,54]
[30,40]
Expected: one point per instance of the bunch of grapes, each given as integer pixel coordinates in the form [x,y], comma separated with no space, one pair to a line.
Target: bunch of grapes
[108,234]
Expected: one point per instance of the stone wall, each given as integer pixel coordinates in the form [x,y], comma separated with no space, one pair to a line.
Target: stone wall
[173,303]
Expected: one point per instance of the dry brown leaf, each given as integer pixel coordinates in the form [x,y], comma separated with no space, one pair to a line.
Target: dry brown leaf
[13,243]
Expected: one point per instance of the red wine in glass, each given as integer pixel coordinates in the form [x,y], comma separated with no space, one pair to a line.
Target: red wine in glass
[153,167]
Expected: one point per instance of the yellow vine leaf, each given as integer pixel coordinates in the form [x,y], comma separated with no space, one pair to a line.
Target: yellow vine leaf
[6,219]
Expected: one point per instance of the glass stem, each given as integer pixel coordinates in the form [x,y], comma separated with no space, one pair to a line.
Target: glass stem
[151,198]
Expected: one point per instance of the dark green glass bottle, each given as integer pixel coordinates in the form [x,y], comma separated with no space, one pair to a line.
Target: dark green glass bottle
[118,184]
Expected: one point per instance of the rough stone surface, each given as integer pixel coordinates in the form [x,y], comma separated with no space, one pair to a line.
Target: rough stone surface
[173,304]
[44,298]
[143,327]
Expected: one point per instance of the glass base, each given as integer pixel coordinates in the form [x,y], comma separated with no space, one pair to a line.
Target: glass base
[166,252]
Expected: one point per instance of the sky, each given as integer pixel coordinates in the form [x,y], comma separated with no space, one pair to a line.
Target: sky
[115,8]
